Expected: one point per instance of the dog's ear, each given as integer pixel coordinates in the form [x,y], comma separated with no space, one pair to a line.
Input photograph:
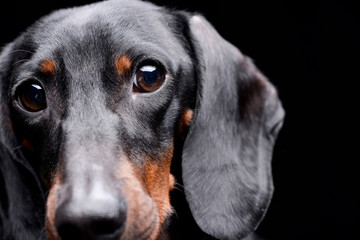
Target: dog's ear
[22,198]
[227,153]
[5,124]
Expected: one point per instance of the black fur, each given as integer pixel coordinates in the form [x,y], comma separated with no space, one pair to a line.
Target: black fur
[224,161]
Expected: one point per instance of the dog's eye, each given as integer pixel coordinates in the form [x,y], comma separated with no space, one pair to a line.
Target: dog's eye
[149,78]
[32,97]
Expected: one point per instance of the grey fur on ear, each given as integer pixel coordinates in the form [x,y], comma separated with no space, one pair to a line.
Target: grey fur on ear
[227,153]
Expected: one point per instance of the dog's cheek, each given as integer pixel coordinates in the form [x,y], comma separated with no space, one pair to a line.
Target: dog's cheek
[44,171]
[159,181]
[142,212]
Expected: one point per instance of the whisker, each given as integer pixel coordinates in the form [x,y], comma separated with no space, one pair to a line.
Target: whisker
[16,148]
[19,61]
[21,50]
[148,230]
[42,235]
[166,204]
[184,189]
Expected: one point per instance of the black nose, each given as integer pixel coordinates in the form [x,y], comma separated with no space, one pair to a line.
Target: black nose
[95,218]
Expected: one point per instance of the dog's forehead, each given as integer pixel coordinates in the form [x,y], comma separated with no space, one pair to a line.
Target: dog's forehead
[117,26]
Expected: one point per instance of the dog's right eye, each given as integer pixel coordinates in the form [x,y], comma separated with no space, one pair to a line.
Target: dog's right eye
[149,78]
[32,97]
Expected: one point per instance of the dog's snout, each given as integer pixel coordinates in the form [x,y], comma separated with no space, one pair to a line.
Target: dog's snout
[92,216]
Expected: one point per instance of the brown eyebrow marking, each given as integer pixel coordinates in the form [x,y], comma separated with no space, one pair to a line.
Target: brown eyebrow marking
[123,64]
[48,67]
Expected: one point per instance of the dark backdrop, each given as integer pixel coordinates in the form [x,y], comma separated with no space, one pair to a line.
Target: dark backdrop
[309,50]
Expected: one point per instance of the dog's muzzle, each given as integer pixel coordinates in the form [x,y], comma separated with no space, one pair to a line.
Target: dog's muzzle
[92,214]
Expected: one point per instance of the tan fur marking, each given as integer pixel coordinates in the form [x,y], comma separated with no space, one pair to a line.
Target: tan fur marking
[147,193]
[171,182]
[51,207]
[28,145]
[48,67]
[142,212]
[185,120]
[187,117]
[157,181]
[123,65]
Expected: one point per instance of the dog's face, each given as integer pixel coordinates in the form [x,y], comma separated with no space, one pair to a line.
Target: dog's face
[103,95]
[98,101]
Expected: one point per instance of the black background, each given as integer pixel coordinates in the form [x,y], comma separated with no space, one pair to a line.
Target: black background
[310,51]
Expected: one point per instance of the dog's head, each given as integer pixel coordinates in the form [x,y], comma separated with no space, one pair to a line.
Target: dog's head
[105,97]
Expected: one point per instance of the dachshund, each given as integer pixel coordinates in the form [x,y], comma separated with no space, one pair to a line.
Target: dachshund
[125,120]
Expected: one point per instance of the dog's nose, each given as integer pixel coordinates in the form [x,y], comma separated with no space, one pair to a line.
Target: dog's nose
[95,217]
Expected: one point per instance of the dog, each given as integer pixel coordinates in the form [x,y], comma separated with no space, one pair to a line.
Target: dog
[126,120]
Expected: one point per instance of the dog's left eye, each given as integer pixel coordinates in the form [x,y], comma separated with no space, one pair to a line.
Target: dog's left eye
[32,97]
[149,78]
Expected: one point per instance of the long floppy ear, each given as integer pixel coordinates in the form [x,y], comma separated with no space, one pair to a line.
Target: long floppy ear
[227,153]
[22,199]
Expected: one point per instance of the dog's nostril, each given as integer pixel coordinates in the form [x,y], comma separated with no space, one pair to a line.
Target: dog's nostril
[69,231]
[107,227]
